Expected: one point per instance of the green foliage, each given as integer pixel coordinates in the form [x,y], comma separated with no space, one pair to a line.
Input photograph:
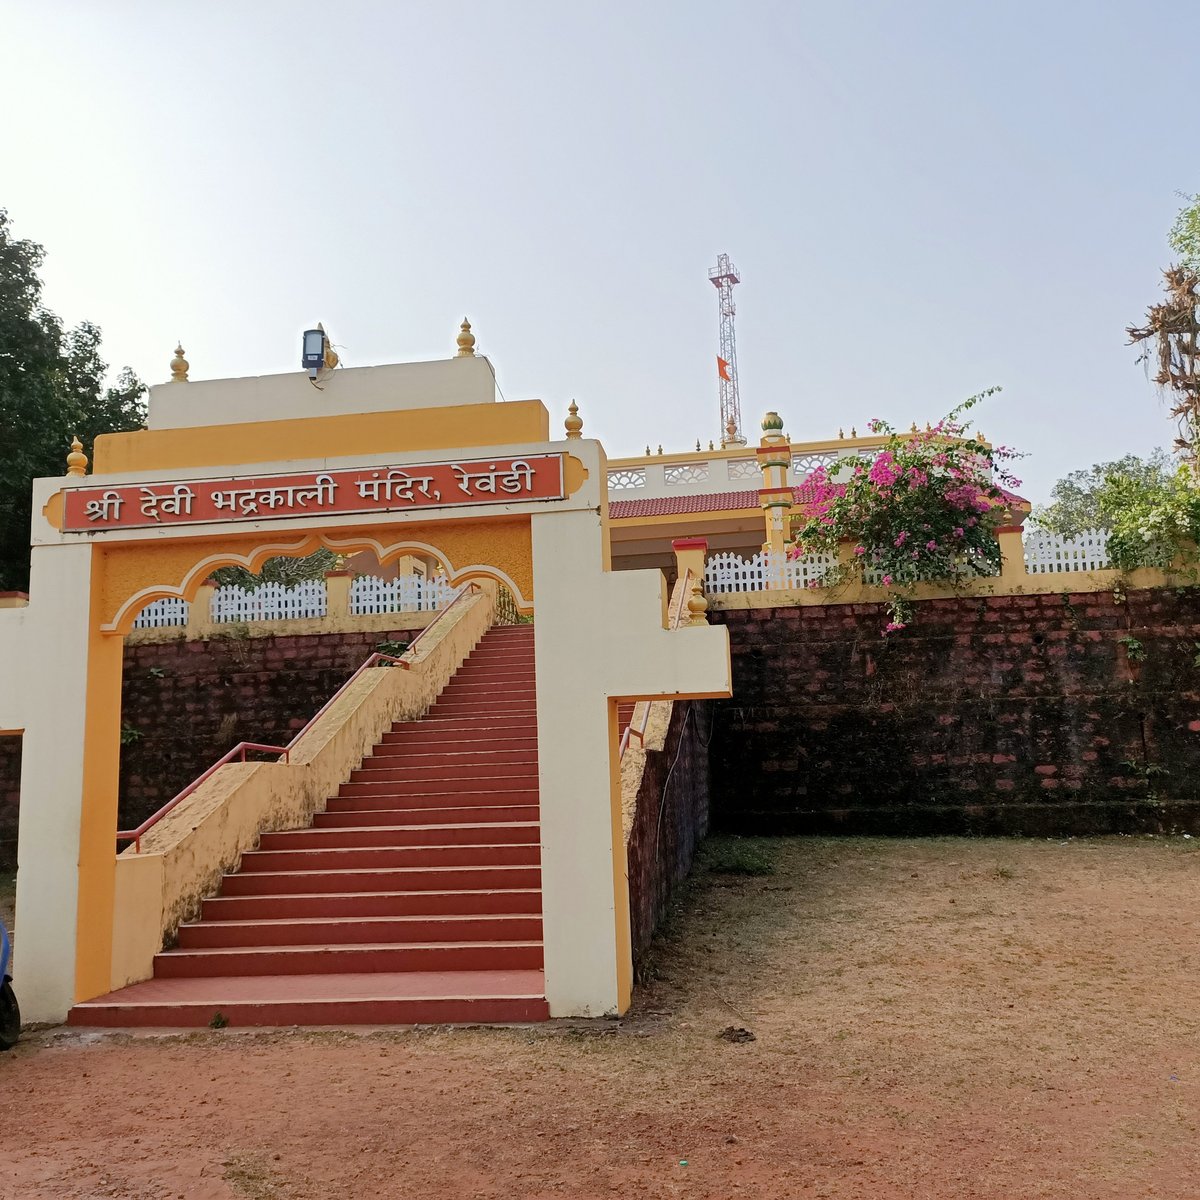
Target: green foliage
[737,856]
[1150,521]
[286,571]
[1185,233]
[219,1021]
[922,509]
[395,649]
[129,735]
[1135,651]
[1075,506]
[51,388]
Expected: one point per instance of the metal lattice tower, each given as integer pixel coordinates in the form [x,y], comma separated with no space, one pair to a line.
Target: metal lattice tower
[723,276]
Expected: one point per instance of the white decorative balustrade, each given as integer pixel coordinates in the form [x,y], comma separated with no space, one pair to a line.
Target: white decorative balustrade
[270,602]
[162,614]
[730,572]
[406,593]
[1050,553]
[681,473]
[626,479]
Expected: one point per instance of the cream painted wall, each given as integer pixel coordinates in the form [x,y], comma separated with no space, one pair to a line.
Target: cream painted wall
[13,632]
[598,635]
[342,390]
[52,779]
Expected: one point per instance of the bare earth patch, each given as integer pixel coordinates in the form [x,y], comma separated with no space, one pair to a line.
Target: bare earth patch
[942,1019]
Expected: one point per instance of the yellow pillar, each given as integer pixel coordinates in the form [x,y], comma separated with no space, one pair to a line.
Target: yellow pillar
[689,557]
[1012,552]
[200,622]
[775,495]
[337,594]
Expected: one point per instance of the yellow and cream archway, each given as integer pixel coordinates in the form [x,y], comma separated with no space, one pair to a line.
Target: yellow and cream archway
[599,637]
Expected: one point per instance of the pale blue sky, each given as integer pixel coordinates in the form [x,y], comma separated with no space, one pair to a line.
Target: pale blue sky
[924,198]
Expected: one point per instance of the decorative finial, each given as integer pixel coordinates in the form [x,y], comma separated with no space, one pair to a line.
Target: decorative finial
[697,445]
[660,447]
[710,445]
[179,365]
[574,422]
[913,427]
[979,436]
[841,433]
[647,451]
[772,422]
[465,340]
[928,427]
[731,429]
[77,461]
[853,431]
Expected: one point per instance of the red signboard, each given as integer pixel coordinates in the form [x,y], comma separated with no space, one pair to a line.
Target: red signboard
[316,493]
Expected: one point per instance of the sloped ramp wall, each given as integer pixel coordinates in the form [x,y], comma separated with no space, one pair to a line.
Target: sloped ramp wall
[666,804]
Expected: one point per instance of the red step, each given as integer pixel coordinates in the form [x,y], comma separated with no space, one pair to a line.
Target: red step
[329,931]
[382,858]
[365,999]
[336,959]
[486,834]
[399,879]
[408,772]
[372,904]
[401,817]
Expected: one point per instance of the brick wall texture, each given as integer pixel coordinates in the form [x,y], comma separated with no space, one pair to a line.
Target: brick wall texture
[1037,715]
[670,821]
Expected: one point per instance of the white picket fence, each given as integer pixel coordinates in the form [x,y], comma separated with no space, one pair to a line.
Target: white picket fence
[1050,554]
[276,602]
[269,602]
[159,614]
[730,572]
[405,593]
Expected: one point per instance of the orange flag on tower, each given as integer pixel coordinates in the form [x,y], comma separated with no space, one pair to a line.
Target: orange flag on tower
[723,369]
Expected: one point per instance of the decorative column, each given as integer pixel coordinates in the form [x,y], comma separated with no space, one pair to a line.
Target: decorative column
[775,495]
[337,597]
[689,556]
[200,624]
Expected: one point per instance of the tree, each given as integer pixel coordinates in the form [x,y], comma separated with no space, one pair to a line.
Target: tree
[1079,501]
[51,388]
[1185,234]
[1171,334]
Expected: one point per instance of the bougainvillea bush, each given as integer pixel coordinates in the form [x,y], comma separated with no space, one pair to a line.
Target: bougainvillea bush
[923,508]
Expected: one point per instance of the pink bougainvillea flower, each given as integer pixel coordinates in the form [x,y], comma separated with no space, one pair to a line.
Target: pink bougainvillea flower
[931,545]
[958,532]
[860,549]
[887,581]
[901,538]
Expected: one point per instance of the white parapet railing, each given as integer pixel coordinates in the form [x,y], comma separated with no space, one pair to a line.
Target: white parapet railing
[405,593]
[730,572]
[270,602]
[161,614]
[1051,554]
[369,595]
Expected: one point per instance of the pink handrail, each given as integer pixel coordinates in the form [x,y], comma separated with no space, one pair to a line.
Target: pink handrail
[673,621]
[135,835]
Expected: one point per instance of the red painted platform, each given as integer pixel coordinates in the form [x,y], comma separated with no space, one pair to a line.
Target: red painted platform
[415,897]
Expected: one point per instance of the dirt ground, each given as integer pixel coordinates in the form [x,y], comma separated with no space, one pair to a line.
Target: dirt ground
[942,1019]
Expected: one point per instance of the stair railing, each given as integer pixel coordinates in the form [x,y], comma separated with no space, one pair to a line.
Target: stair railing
[239,751]
[674,618]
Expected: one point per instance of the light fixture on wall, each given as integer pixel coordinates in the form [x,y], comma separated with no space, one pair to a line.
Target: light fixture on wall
[317,353]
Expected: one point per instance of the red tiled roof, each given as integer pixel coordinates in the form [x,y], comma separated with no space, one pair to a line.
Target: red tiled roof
[670,506]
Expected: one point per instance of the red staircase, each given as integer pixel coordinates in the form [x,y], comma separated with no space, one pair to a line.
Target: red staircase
[414,898]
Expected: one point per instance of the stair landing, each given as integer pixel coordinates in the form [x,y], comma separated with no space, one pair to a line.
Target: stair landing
[414,898]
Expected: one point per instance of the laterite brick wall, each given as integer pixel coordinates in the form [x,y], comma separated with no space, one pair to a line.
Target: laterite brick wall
[1015,714]
[670,821]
